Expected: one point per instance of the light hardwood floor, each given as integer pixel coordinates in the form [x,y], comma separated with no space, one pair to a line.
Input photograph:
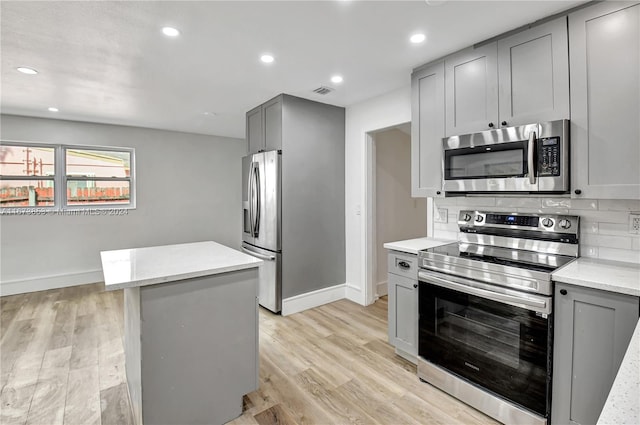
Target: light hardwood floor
[62,362]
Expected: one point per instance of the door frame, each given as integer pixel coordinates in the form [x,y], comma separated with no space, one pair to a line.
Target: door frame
[370,242]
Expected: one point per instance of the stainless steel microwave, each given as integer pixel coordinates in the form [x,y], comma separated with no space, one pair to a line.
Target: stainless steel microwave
[529,158]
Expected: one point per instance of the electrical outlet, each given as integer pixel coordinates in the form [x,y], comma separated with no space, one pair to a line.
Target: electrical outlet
[634,223]
[441,215]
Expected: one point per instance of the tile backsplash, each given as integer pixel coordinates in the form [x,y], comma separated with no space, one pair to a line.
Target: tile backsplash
[603,223]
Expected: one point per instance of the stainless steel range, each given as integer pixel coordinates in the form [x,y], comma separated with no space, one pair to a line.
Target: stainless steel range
[485,305]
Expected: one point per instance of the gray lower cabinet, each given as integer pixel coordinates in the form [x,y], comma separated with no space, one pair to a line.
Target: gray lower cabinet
[427,130]
[592,331]
[403,304]
[605,101]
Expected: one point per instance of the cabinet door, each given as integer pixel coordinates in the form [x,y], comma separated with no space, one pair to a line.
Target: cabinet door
[592,331]
[533,74]
[255,133]
[403,313]
[427,130]
[471,78]
[272,112]
[605,101]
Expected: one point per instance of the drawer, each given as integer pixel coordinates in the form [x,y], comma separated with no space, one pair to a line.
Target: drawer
[402,264]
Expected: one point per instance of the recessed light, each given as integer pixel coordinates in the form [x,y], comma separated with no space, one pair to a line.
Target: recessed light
[26,70]
[417,38]
[209,114]
[170,32]
[336,79]
[266,58]
[52,109]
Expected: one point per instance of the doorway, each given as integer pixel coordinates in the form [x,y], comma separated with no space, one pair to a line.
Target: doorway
[395,215]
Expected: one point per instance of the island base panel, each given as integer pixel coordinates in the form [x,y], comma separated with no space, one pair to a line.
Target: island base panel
[198,348]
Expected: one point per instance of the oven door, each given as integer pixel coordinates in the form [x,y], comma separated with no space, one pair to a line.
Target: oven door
[493,340]
[492,161]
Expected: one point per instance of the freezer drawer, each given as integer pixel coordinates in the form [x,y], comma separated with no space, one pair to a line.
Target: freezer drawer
[270,277]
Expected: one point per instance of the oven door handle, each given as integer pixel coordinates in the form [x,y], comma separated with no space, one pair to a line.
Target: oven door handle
[516,301]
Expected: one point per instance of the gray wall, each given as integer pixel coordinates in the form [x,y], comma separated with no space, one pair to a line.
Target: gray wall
[188,189]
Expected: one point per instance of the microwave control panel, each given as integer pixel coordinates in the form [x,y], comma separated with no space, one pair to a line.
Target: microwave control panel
[549,156]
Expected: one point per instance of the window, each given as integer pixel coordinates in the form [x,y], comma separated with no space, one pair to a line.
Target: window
[97,176]
[66,177]
[27,174]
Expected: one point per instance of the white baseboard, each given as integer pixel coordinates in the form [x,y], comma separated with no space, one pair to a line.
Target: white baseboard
[312,299]
[355,294]
[382,289]
[23,286]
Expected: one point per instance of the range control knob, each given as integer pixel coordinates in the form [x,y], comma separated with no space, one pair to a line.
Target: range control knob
[547,222]
[466,217]
[565,224]
[479,219]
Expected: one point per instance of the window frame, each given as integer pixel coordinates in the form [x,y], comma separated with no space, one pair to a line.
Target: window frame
[60,177]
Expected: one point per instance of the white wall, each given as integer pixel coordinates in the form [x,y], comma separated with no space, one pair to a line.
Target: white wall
[374,114]
[188,189]
[398,215]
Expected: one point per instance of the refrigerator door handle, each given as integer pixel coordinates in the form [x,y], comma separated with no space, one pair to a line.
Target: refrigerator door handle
[250,196]
[256,227]
[260,256]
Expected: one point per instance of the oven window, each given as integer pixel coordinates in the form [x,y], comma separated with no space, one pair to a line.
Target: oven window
[502,348]
[502,160]
[480,331]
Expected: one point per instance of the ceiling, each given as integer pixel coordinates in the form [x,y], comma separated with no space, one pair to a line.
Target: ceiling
[108,62]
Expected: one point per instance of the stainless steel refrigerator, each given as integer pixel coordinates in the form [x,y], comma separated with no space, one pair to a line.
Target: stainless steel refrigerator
[262,218]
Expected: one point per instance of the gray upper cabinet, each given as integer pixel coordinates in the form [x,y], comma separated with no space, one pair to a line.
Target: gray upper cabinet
[255,133]
[264,126]
[519,79]
[592,331]
[604,42]
[427,130]
[471,79]
[533,71]
[272,111]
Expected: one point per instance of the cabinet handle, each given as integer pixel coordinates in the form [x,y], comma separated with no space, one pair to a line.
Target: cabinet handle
[404,265]
[503,123]
[415,285]
[490,125]
[563,291]
[577,191]
[438,193]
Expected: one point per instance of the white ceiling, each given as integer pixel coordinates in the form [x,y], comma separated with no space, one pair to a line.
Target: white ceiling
[107,61]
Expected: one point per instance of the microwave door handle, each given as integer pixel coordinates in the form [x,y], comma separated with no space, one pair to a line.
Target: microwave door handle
[531,157]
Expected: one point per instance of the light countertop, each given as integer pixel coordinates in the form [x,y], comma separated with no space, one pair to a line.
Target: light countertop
[613,276]
[129,268]
[623,402]
[412,246]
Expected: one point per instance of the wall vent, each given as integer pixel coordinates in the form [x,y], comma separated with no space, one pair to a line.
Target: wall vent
[323,90]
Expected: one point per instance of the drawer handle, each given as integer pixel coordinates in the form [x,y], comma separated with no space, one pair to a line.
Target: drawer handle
[404,265]
[415,285]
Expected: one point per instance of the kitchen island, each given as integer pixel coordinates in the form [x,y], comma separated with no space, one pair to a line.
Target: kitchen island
[191,330]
